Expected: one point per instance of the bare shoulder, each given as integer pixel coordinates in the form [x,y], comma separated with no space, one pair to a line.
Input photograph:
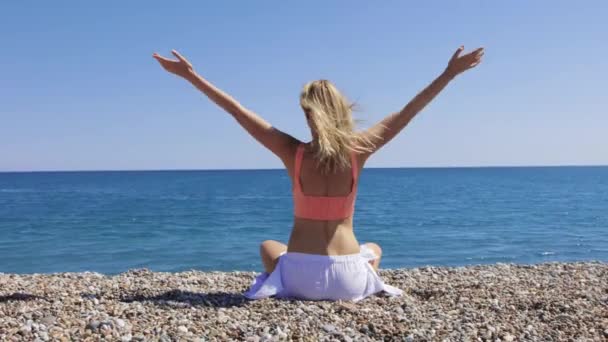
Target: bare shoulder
[368,141]
[289,154]
[361,159]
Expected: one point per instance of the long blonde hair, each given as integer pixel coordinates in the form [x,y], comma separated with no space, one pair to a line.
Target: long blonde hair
[330,118]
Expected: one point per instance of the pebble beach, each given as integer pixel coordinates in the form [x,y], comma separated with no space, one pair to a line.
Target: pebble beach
[500,302]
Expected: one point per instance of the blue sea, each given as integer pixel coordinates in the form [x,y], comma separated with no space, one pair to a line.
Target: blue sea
[110,222]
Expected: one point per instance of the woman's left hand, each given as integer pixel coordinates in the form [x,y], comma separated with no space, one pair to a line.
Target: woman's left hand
[180,67]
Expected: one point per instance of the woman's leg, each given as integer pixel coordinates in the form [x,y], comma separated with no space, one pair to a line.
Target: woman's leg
[270,251]
[374,247]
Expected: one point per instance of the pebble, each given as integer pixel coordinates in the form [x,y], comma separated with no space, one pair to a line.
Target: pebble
[329,328]
[48,320]
[43,335]
[93,325]
[120,323]
[106,325]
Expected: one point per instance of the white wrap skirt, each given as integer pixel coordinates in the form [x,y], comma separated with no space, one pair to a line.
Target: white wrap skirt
[321,277]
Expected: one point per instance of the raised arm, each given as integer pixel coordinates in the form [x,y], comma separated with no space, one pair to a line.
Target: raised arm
[390,126]
[276,141]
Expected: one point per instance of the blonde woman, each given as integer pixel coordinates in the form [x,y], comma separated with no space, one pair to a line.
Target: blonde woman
[323,259]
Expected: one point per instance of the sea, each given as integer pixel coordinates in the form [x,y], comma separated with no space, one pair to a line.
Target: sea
[214,220]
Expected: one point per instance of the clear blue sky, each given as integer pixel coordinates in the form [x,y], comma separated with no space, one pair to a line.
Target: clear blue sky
[79,89]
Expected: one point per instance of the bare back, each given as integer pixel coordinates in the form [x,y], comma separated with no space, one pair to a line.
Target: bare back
[334,237]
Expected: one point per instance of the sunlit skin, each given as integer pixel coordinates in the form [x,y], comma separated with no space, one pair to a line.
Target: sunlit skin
[313,236]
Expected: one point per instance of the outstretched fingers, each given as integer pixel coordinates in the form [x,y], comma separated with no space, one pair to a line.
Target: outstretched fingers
[474,54]
[478,53]
[457,53]
[160,58]
[474,57]
[179,57]
[478,50]
[179,66]
[461,62]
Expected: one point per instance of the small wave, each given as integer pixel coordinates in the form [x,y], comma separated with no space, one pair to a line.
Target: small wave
[547,253]
[16,190]
[250,197]
[175,198]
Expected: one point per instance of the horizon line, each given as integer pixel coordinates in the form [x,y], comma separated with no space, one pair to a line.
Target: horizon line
[277,169]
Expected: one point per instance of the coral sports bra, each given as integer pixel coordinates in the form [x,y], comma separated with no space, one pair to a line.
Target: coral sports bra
[322,207]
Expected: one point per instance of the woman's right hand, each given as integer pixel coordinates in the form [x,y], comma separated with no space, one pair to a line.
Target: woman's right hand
[180,67]
[459,64]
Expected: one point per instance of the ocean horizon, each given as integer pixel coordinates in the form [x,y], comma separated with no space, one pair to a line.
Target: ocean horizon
[279,169]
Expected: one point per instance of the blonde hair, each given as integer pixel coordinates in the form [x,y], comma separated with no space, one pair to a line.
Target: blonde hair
[330,117]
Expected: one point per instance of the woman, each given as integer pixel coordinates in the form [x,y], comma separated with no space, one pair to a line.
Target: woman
[323,260]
